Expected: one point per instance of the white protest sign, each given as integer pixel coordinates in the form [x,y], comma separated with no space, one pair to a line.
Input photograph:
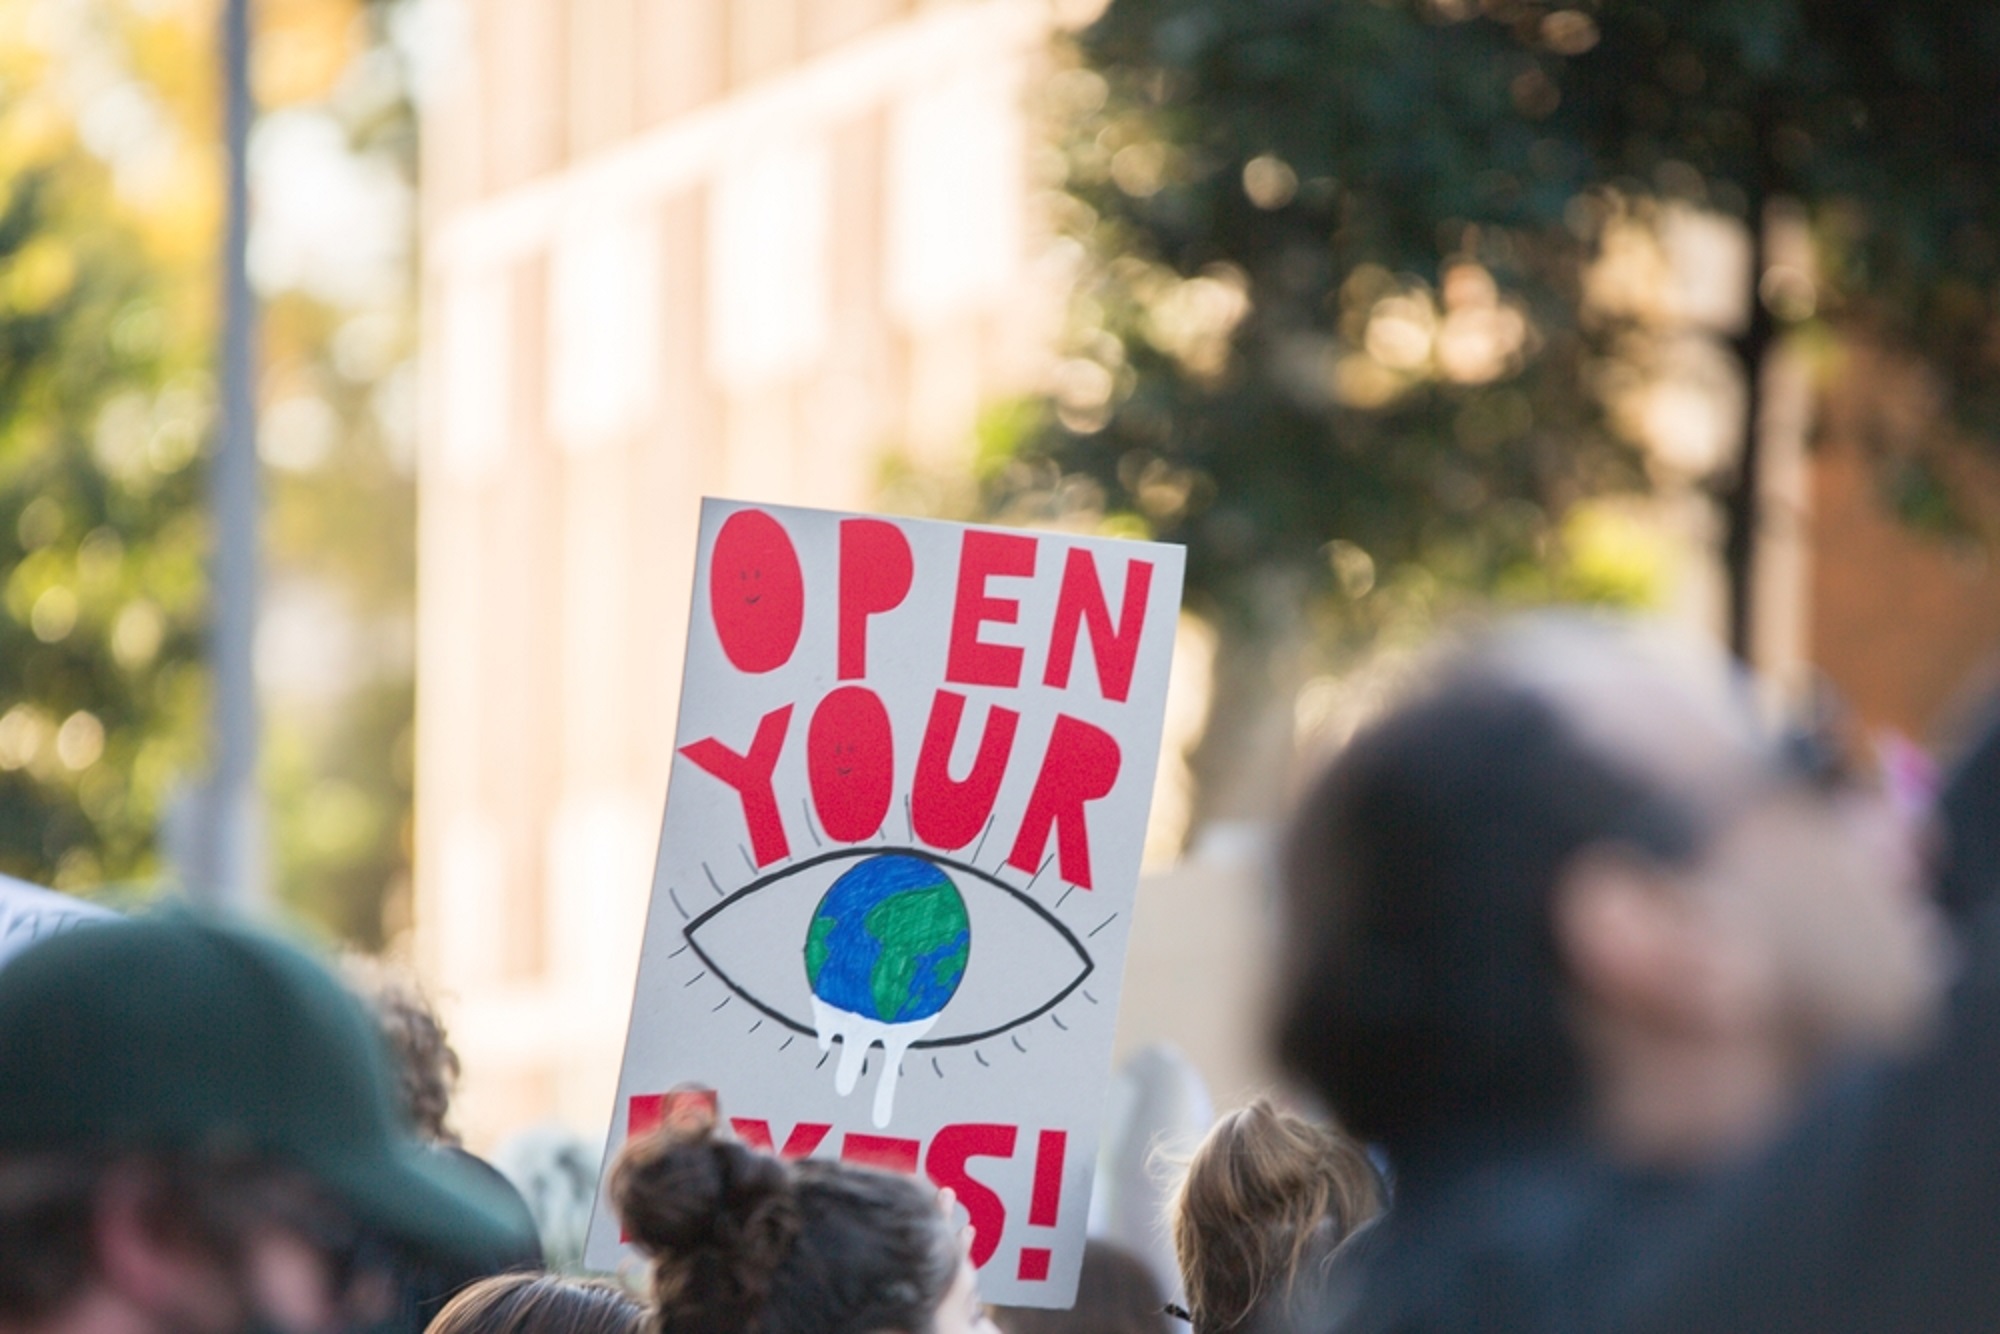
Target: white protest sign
[897,868]
[29,914]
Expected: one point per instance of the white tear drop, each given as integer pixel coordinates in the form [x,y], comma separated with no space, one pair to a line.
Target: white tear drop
[857,1033]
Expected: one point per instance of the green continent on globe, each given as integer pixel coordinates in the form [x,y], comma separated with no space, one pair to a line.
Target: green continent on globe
[924,941]
[819,938]
[889,941]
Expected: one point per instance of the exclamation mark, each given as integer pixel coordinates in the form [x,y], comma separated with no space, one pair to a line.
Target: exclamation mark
[1045,1205]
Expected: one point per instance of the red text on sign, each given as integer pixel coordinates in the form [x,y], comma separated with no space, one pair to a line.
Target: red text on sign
[949,1160]
[875,575]
[971,661]
[756,592]
[1080,603]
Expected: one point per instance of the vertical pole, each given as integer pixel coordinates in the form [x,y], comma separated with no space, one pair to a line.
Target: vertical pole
[1742,499]
[1742,502]
[228,871]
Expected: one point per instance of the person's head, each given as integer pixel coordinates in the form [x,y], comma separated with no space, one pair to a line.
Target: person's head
[425,1065]
[1266,1200]
[1115,1294]
[198,1136]
[1572,877]
[743,1242]
[540,1304]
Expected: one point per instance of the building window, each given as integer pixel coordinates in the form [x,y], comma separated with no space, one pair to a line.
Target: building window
[477,376]
[768,271]
[604,325]
[954,197]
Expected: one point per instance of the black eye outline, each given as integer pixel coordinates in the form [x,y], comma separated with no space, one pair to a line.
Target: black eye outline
[862,852]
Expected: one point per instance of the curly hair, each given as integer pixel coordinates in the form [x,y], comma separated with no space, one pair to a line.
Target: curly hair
[425,1065]
[743,1242]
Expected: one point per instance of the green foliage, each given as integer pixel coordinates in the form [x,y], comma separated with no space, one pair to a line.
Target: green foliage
[107,307]
[1331,298]
[340,793]
[1875,117]
[1336,251]
[101,421]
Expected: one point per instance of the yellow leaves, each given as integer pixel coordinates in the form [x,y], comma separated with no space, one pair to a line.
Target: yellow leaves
[183,215]
[32,133]
[1614,554]
[34,577]
[54,614]
[303,49]
[1399,333]
[1192,320]
[41,522]
[26,735]
[140,438]
[119,442]
[40,274]
[170,47]
[338,819]
[30,739]
[137,633]
[112,106]
[80,740]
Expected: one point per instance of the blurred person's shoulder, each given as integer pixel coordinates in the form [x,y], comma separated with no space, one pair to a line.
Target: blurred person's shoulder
[1539,1241]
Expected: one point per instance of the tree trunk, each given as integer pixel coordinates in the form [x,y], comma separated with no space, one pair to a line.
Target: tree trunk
[1244,764]
[1742,498]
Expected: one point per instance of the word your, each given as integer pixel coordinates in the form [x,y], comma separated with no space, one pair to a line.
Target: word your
[946,1160]
[757,603]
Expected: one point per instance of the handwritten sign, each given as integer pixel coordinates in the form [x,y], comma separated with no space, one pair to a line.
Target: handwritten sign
[897,867]
[30,914]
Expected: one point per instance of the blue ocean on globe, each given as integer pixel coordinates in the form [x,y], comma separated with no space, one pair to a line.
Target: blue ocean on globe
[889,940]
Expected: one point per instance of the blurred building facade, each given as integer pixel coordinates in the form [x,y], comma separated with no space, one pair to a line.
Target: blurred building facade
[671,248]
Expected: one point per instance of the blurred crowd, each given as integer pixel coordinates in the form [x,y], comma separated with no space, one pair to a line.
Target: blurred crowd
[1611,1004]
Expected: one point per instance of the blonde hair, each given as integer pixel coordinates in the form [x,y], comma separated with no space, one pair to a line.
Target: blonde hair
[1267,1198]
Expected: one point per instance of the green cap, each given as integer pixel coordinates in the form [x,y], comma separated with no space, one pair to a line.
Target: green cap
[168,1032]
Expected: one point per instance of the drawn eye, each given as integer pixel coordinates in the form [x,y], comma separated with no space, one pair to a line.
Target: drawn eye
[895,947]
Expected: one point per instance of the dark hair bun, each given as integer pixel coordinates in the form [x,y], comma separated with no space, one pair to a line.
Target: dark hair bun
[716,1218]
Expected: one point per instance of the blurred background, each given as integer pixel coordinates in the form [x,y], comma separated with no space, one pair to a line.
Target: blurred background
[1393,311]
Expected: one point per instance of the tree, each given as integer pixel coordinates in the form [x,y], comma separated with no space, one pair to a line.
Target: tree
[1870,120]
[1328,334]
[1336,329]
[102,415]
[108,231]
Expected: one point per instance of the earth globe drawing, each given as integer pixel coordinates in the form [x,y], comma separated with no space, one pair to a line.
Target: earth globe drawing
[885,952]
[889,940]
